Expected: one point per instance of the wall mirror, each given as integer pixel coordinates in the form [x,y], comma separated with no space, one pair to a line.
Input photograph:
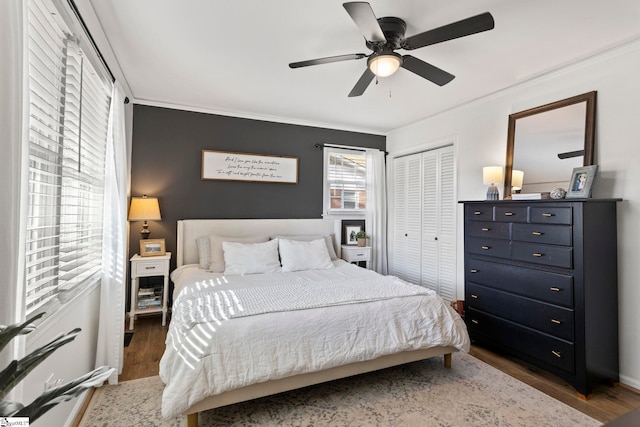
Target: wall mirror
[548,141]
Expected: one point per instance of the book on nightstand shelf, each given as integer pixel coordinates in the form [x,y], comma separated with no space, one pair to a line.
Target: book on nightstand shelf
[530,196]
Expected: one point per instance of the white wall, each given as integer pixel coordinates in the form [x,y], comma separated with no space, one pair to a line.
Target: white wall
[480,129]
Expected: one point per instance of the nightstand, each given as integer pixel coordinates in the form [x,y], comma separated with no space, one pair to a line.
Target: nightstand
[356,254]
[149,300]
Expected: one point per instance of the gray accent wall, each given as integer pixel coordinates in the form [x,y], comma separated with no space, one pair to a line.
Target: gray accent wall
[167,156]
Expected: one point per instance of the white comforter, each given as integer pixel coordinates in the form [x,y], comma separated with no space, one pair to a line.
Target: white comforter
[208,353]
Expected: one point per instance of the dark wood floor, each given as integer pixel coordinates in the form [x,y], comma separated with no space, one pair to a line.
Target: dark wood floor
[142,356]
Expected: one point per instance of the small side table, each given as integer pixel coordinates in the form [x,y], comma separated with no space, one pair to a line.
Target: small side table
[148,267]
[356,254]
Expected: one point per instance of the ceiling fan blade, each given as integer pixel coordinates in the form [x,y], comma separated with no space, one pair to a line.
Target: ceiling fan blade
[425,70]
[466,27]
[362,84]
[365,20]
[327,60]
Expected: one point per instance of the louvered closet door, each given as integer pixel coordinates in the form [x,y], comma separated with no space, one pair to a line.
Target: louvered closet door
[424,220]
[407,212]
[438,222]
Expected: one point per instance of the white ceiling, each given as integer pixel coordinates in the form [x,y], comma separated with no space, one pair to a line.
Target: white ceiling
[231,57]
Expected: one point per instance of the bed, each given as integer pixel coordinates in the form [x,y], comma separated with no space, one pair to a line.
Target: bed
[313,323]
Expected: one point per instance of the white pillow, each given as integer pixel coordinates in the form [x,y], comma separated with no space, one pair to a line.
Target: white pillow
[300,255]
[309,237]
[217,254]
[251,258]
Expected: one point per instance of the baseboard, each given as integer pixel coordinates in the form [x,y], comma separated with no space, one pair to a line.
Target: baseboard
[80,408]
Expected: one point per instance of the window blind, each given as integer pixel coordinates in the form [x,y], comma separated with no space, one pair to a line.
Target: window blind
[68,120]
[346,179]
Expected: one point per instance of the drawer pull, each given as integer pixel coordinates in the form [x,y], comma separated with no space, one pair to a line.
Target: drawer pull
[485,229]
[359,254]
[556,354]
[555,289]
[474,321]
[537,254]
[477,213]
[556,321]
[474,296]
[537,233]
[485,248]
[547,214]
[474,270]
[149,268]
[508,214]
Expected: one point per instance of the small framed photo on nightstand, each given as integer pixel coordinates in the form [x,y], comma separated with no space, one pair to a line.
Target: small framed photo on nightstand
[152,247]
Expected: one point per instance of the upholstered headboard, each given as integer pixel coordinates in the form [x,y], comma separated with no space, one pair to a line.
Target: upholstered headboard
[190,229]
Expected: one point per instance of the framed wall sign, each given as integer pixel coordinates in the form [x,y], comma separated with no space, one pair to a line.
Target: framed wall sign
[152,247]
[229,166]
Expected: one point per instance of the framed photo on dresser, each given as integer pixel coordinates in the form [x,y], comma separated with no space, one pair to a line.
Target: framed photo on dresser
[581,182]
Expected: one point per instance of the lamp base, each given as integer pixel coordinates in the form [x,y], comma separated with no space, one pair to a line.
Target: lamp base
[493,193]
[144,234]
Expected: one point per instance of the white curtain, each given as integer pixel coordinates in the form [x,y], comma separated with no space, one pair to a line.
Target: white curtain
[376,218]
[112,296]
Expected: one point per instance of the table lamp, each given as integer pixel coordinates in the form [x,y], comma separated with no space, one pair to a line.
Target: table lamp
[144,209]
[490,176]
[517,178]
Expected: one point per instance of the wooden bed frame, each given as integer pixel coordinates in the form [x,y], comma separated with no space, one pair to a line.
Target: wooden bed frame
[187,253]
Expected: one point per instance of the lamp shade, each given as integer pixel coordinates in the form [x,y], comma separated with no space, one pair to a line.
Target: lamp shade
[144,208]
[384,64]
[517,178]
[492,175]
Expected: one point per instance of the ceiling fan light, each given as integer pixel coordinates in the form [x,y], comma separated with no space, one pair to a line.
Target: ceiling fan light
[384,64]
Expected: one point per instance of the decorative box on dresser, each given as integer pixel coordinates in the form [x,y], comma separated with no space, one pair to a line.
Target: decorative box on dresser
[541,284]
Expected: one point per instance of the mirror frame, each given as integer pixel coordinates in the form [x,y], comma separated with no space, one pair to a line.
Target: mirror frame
[589,134]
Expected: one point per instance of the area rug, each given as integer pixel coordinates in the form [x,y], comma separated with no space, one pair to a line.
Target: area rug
[422,393]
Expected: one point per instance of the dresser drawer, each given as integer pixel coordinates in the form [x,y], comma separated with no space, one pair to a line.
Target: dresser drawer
[558,256]
[540,285]
[555,352]
[550,215]
[356,253]
[544,317]
[510,213]
[478,212]
[489,247]
[492,230]
[539,233]
[150,268]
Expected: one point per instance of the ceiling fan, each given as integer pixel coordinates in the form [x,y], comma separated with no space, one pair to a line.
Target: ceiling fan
[384,36]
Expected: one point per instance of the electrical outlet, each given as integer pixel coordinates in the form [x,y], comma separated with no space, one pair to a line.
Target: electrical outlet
[50,383]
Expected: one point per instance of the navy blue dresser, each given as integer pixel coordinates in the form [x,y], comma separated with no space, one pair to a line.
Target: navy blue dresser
[541,284]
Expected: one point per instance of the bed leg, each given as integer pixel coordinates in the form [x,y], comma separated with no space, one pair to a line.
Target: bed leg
[447,362]
[192,420]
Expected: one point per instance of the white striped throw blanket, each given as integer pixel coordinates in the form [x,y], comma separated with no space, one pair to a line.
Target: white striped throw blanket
[209,305]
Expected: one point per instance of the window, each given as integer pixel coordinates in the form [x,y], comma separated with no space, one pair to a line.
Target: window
[345,181]
[68,120]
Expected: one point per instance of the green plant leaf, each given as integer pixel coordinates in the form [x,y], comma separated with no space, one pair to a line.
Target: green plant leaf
[64,392]
[29,362]
[8,408]
[7,333]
